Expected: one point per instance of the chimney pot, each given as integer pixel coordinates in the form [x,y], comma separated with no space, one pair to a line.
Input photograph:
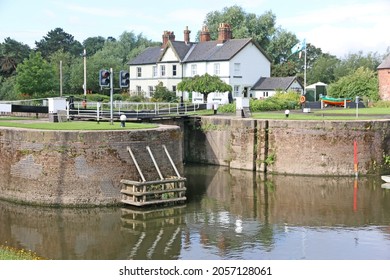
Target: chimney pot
[167,36]
[224,33]
[187,35]
[205,34]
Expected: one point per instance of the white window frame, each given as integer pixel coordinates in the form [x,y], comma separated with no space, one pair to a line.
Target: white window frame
[237,69]
[162,70]
[194,69]
[236,91]
[138,89]
[174,70]
[151,91]
[217,69]
[139,72]
[155,71]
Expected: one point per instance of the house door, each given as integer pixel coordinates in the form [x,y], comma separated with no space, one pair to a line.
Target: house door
[245,92]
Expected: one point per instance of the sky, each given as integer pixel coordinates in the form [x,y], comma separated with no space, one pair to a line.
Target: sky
[338,27]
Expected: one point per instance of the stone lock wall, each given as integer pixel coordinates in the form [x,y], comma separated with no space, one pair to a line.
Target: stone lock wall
[289,147]
[81,167]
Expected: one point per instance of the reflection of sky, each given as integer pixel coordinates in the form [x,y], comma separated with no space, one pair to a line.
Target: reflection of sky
[288,242]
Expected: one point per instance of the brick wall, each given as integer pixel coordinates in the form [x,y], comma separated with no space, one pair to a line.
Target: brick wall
[384,83]
[81,167]
[289,147]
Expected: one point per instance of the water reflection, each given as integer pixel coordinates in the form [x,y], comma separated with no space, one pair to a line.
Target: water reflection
[230,214]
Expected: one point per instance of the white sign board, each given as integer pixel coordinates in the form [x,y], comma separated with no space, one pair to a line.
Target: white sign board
[5,108]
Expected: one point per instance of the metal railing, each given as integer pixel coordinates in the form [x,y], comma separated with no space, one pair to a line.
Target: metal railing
[101,110]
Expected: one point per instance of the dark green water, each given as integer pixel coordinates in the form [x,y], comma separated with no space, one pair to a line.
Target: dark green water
[230,214]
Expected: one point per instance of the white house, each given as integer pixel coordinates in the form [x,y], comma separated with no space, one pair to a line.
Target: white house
[268,86]
[238,62]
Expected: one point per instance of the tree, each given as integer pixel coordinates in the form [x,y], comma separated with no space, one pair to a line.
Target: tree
[11,54]
[34,75]
[260,28]
[353,61]
[362,82]
[93,44]
[204,84]
[323,70]
[67,63]
[162,94]
[58,39]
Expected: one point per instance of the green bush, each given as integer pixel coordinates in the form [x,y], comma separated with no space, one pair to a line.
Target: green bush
[280,101]
[227,108]
[381,104]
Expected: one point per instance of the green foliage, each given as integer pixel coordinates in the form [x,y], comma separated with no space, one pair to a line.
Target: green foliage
[227,108]
[280,101]
[323,70]
[162,94]
[244,25]
[137,98]
[353,62]
[204,84]
[58,39]
[93,44]
[362,82]
[11,54]
[381,104]
[35,75]
[7,88]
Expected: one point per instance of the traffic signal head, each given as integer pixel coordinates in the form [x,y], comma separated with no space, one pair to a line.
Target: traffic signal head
[104,78]
[123,79]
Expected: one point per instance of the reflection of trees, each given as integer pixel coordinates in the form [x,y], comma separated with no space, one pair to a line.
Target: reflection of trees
[232,196]
[266,234]
[267,203]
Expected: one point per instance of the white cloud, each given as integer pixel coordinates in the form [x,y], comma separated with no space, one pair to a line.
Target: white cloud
[106,12]
[344,29]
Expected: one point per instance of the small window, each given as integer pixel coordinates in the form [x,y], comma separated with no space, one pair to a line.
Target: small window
[151,91]
[139,72]
[162,70]
[236,91]
[237,69]
[216,69]
[154,71]
[193,69]
[139,89]
[174,89]
[174,70]
[265,93]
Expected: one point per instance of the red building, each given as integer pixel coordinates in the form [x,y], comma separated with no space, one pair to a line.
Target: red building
[384,79]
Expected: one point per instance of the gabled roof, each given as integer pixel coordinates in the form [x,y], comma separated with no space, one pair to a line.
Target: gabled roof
[385,64]
[212,51]
[202,51]
[148,56]
[273,83]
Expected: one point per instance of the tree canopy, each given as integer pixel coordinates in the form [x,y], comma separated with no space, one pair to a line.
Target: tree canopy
[58,39]
[204,84]
[34,75]
[109,52]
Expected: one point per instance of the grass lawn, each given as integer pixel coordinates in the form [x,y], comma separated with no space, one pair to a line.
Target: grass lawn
[328,114]
[73,125]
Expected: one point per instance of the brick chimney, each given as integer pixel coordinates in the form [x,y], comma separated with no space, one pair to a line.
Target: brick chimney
[167,36]
[187,35]
[224,33]
[205,34]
